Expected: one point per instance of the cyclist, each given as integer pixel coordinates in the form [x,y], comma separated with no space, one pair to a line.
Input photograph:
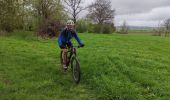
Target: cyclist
[64,39]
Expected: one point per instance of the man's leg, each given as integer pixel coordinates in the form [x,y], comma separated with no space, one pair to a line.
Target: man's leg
[64,51]
[64,56]
[70,45]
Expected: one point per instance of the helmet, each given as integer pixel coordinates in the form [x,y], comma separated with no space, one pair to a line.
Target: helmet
[70,22]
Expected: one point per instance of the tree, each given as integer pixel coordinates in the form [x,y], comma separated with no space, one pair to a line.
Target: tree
[167,26]
[159,29]
[73,7]
[9,14]
[42,15]
[49,16]
[101,11]
[14,14]
[46,9]
[124,28]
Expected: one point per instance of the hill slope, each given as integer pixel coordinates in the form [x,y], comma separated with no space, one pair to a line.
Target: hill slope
[113,67]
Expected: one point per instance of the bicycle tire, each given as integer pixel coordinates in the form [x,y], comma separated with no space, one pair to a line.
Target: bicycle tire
[75,70]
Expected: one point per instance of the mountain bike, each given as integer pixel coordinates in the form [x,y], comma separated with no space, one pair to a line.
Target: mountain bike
[71,58]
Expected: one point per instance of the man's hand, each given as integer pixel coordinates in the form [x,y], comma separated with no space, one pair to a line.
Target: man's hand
[82,45]
[62,46]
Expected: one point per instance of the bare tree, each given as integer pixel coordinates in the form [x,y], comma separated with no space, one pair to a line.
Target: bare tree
[124,28]
[158,31]
[167,26]
[101,11]
[73,7]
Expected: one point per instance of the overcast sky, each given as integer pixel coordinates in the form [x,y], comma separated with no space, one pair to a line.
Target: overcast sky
[139,12]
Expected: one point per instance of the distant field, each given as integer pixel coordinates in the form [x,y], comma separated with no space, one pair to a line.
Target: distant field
[115,66]
[142,32]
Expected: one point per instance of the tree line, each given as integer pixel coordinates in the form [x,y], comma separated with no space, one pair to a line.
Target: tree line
[48,17]
[163,28]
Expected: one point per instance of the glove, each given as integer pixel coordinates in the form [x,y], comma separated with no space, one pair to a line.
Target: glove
[62,46]
[82,45]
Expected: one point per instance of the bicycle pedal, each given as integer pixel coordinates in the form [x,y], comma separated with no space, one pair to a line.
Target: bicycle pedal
[65,67]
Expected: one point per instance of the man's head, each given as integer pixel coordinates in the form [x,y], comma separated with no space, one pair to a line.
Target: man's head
[70,25]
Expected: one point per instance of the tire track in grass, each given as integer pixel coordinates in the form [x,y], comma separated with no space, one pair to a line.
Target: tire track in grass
[154,71]
[35,73]
[134,77]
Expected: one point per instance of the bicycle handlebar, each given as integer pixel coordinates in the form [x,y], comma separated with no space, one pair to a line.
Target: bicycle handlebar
[76,47]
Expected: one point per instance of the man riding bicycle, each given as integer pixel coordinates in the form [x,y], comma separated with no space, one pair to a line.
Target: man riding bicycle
[64,39]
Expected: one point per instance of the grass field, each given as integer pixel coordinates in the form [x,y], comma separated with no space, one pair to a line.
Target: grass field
[142,32]
[114,67]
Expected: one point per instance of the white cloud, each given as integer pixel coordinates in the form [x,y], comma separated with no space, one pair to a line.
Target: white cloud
[139,12]
[137,6]
[145,19]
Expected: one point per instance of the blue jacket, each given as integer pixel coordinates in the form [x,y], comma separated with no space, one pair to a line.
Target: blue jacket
[66,36]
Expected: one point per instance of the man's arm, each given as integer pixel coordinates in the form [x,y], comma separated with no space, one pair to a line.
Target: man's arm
[60,37]
[77,38]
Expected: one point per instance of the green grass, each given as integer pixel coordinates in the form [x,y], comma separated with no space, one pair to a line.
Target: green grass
[121,67]
[142,32]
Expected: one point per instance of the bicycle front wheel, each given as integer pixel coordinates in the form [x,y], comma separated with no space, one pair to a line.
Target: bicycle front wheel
[75,65]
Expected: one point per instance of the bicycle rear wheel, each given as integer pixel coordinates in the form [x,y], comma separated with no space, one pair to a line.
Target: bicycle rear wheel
[75,65]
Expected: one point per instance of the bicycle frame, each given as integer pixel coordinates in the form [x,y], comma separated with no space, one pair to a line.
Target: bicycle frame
[73,60]
[72,52]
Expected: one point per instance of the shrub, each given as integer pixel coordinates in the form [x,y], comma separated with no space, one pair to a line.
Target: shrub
[97,28]
[107,29]
[82,26]
[85,25]
[124,28]
[3,33]
[90,28]
[50,28]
